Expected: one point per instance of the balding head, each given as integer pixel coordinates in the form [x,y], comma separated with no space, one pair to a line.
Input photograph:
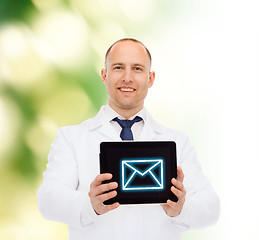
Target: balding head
[123,40]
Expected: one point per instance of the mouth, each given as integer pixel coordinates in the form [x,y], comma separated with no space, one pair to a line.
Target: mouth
[126,89]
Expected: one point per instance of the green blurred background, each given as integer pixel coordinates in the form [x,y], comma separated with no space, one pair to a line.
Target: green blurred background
[51,54]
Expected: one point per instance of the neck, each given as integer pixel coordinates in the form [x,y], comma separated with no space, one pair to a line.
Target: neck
[126,113]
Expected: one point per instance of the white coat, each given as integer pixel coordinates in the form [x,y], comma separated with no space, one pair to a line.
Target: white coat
[73,165]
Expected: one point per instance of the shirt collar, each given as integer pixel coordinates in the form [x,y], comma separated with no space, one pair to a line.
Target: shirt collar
[106,114]
[110,114]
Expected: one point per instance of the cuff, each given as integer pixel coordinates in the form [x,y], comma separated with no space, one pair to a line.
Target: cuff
[183,220]
[88,215]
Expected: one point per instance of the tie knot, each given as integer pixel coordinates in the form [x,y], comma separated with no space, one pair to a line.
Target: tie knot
[127,123]
[126,133]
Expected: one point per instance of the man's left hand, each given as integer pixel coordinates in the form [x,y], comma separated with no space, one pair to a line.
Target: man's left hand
[171,208]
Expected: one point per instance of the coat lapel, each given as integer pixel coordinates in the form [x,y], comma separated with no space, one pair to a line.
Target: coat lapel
[103,126]
[151,129]
[147,133]
[109,132]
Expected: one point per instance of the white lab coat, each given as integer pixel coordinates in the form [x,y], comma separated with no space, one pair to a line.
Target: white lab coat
[73,165]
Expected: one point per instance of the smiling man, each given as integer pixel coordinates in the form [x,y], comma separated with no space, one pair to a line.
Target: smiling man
[127,77]
[73,191]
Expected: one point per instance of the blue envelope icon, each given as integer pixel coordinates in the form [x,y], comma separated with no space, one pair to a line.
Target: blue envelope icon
[142,174]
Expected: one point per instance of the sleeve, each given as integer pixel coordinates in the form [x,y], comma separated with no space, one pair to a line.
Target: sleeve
[202,206]
[58,197]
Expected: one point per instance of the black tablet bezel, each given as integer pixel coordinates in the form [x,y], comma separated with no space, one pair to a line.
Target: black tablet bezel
[111,154]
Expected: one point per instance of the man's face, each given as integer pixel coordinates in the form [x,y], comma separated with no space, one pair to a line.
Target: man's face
[127,76]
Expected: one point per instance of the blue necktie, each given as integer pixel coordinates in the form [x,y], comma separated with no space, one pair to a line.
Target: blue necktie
[126,133]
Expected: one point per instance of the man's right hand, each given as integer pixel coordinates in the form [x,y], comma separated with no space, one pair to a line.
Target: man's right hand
[98,193]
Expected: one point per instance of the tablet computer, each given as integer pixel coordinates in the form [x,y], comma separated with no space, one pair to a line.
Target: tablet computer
[143,170]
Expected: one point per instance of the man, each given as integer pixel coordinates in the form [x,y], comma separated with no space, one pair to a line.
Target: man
[72,191]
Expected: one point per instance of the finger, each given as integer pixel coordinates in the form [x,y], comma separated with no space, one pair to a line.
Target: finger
[178,184]
[106,196]
[180,174]
[178,193]
[104,188]
[163,205]
[171,203]
[100,178]
[107,208]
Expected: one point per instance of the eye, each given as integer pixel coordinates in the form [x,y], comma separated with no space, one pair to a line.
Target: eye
[138,69]
[117,67]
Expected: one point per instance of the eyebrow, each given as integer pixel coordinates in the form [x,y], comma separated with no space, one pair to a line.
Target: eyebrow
[139,65]
[116,64]
[135,65]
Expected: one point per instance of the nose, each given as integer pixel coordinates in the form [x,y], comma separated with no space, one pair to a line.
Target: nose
[128,76]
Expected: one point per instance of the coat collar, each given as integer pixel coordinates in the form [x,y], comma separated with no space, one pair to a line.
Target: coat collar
[102,122]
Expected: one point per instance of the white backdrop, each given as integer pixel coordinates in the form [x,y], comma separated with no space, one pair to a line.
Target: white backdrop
[207,86]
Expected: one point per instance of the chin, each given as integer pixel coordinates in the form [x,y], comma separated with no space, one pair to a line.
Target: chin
[126,106]
[129,106]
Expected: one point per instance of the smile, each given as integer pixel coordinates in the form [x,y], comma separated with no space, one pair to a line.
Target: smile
[126,89]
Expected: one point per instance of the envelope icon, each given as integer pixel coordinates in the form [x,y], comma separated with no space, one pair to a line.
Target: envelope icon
[142,174]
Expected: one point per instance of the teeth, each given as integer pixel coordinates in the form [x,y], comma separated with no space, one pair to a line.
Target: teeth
[127,89]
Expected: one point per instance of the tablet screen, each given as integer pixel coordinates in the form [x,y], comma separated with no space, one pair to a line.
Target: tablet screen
[143,170]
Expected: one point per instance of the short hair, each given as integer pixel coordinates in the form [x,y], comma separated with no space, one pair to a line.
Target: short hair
[123,40]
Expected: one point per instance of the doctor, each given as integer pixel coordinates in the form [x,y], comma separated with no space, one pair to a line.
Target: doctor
[72,191]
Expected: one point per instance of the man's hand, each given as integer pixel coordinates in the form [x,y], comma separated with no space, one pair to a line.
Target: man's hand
[171,208]
[98,193]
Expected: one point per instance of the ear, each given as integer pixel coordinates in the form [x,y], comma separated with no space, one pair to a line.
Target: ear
[103,74]
[152,76]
